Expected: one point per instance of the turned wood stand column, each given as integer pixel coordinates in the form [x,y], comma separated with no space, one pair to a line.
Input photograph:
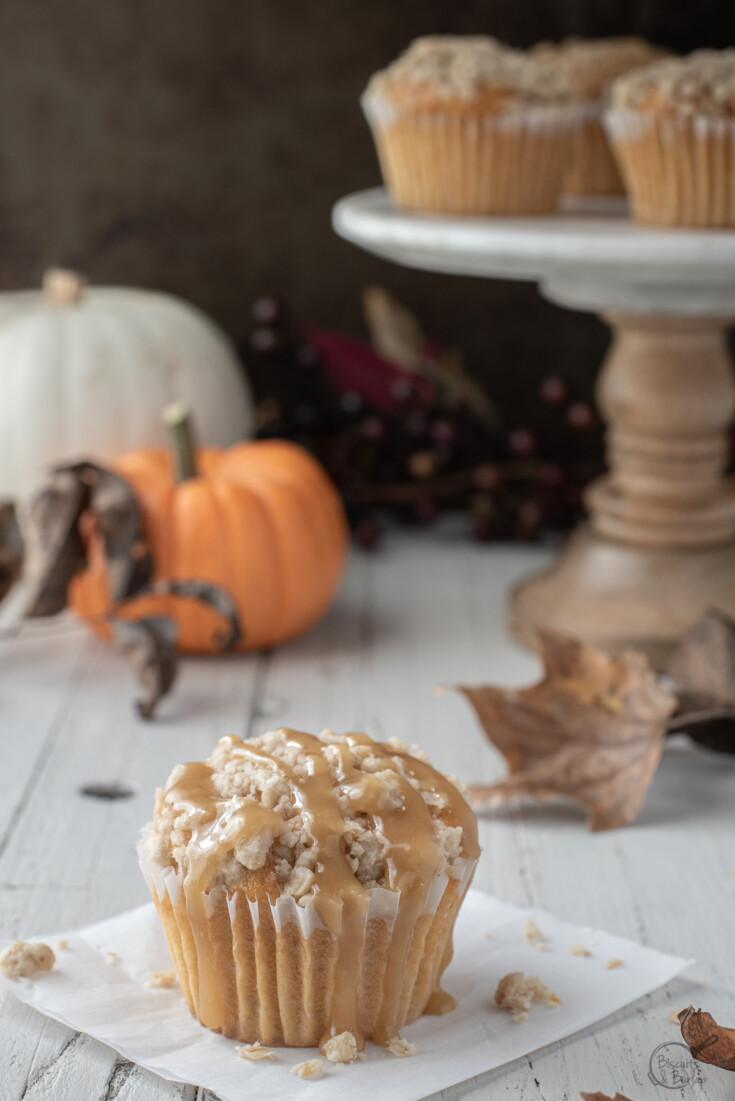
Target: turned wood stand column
[659,547]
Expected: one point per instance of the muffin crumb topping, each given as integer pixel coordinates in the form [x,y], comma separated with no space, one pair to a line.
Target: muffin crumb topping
[162,980]
[463,66]
[401,1048]
[591,64]
[255,1053]
[701,84]
[517,992]
[22,959]
[310,1069]
[342,1048]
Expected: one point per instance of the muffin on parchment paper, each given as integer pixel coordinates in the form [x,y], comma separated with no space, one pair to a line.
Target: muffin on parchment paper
[591,66]
[673,128]
[308,886]
[465,125]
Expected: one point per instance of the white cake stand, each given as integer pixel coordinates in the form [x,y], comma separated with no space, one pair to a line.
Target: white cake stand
[659,546]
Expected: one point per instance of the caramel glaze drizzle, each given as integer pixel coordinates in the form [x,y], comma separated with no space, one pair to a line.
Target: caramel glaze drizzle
[411,858]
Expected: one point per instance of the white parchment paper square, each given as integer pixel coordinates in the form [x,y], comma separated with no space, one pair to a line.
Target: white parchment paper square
[154,1028]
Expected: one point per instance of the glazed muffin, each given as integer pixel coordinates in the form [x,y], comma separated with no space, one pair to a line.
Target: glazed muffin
[673,128]
[591,66]
[308,886]
[465,125]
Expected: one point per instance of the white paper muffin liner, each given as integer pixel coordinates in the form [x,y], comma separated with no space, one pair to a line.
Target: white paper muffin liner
[455,162]
[266,1005]
[679,170]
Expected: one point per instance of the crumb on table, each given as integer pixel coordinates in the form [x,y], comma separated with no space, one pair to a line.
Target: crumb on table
[674,1016]
[162,980]
[400,1047]
[613,963]
[341,1048]
[256,1053]
[112,957]
[63,944]
[516,992]
[533,936]
[309,1069]
[579,950]
[23,959]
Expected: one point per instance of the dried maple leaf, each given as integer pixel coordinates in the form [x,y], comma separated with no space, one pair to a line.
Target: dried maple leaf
[591,730]
[214,596]
[702,668]
[708,1041]
[11,548]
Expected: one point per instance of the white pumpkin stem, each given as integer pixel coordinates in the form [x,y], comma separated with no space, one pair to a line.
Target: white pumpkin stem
[63,287]
[177,420]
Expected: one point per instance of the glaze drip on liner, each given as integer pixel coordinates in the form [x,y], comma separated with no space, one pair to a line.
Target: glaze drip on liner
[400,818]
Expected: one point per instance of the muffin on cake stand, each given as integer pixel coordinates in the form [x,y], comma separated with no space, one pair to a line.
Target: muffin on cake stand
[659,545]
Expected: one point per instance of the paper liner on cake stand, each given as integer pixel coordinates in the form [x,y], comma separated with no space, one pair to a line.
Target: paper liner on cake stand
[659,545]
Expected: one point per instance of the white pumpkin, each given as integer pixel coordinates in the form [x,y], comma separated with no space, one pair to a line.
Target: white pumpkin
[87,372]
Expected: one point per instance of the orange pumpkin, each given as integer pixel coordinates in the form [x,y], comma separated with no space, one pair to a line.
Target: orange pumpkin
[261,519]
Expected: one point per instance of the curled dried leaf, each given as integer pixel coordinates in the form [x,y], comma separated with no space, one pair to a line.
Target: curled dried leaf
[11,548]
[214,596]
[597,1096]
[708,1041]
[702,668]
[591,730]
[150,643]
[74,495]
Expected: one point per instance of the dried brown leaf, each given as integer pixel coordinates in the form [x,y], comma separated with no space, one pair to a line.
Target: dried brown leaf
[591,730]
[11,548]
[708,1041]
[73,493]
[214,596]
[597,1096]
[150,643]
[57,551]
[702,668]
[396,335]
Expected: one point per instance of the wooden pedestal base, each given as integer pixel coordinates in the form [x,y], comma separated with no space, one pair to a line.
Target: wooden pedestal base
[659,548]
[619,597]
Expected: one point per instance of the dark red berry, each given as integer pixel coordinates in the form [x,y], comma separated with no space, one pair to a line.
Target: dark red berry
[368,533]
[554,390]
[372,428]
[443,431]
[581,416]
[488,477]
[551,476]
[267,310]
[522,442]
[401,390]
[264,340]
[424,512]
[530,515]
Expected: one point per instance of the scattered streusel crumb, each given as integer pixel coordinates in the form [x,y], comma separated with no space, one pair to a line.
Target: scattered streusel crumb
[400,1047]
[63,944]
[310,1069]
[112,957]
[579,950]
[517,992]
[162,980]
[613,963]
[674,1016]
[533,935]
[256,1053]
[487,936]
[341,1048]
[23,959]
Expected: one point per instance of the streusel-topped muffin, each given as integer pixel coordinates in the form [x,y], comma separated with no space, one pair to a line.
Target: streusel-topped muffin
[673,127]
[590,66]
[308,886]
[467,125]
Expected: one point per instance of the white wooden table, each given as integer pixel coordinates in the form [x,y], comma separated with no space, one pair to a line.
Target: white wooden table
[426,610]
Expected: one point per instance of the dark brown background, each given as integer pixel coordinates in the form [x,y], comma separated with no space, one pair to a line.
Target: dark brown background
[198,145]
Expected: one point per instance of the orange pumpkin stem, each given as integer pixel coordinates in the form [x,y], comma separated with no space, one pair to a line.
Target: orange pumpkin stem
[177,420]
